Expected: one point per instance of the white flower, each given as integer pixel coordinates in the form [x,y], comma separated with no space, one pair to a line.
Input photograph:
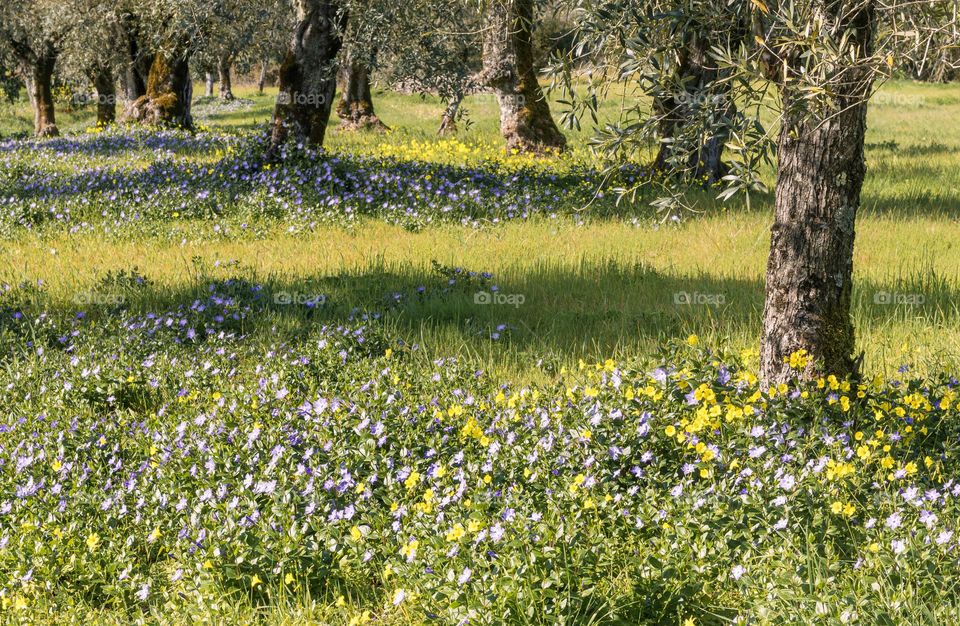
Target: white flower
[898,546]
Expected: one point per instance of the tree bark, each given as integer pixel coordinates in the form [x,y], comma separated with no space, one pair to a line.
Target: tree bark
[448,124]
[38,77]
[106,86]
[224,64]
[820,173]
[208,84]
[169,94]
[308,80]
[508,69]
[355,107]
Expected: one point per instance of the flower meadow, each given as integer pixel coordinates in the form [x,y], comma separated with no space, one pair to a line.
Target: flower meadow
[164,463]
[120,178]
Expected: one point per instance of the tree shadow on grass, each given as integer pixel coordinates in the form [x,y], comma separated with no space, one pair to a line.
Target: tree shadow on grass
[549,311]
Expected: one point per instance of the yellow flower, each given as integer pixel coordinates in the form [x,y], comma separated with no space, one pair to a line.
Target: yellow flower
[457,532]
[93,541]
[798,360]
[355,533]
[693,340]
[670,430]
[289,579]
[412,480]
[254,581]
[154,535]
[836,508]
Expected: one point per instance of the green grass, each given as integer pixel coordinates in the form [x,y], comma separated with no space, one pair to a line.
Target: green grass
[601,288]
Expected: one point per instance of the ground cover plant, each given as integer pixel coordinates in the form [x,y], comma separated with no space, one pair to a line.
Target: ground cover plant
[413,380]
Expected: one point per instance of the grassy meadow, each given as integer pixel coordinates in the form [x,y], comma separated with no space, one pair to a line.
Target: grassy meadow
[594,285]
[416,381]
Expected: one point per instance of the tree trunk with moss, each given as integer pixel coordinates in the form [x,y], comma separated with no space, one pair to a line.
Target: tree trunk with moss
[820,173]
[308,76]
[508,69]
[37,71]
[355,107]
[169,94]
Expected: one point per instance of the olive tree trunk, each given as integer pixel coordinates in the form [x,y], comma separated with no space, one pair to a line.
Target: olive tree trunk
[308,79]
[820,173]
[106,86]
[208,84]
[224,65]
[169,94]
[38,76]
[508,70]
[355,107]
[138,59]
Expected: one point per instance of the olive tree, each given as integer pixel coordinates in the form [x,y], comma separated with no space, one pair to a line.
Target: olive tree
[822,59]
[32,34]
